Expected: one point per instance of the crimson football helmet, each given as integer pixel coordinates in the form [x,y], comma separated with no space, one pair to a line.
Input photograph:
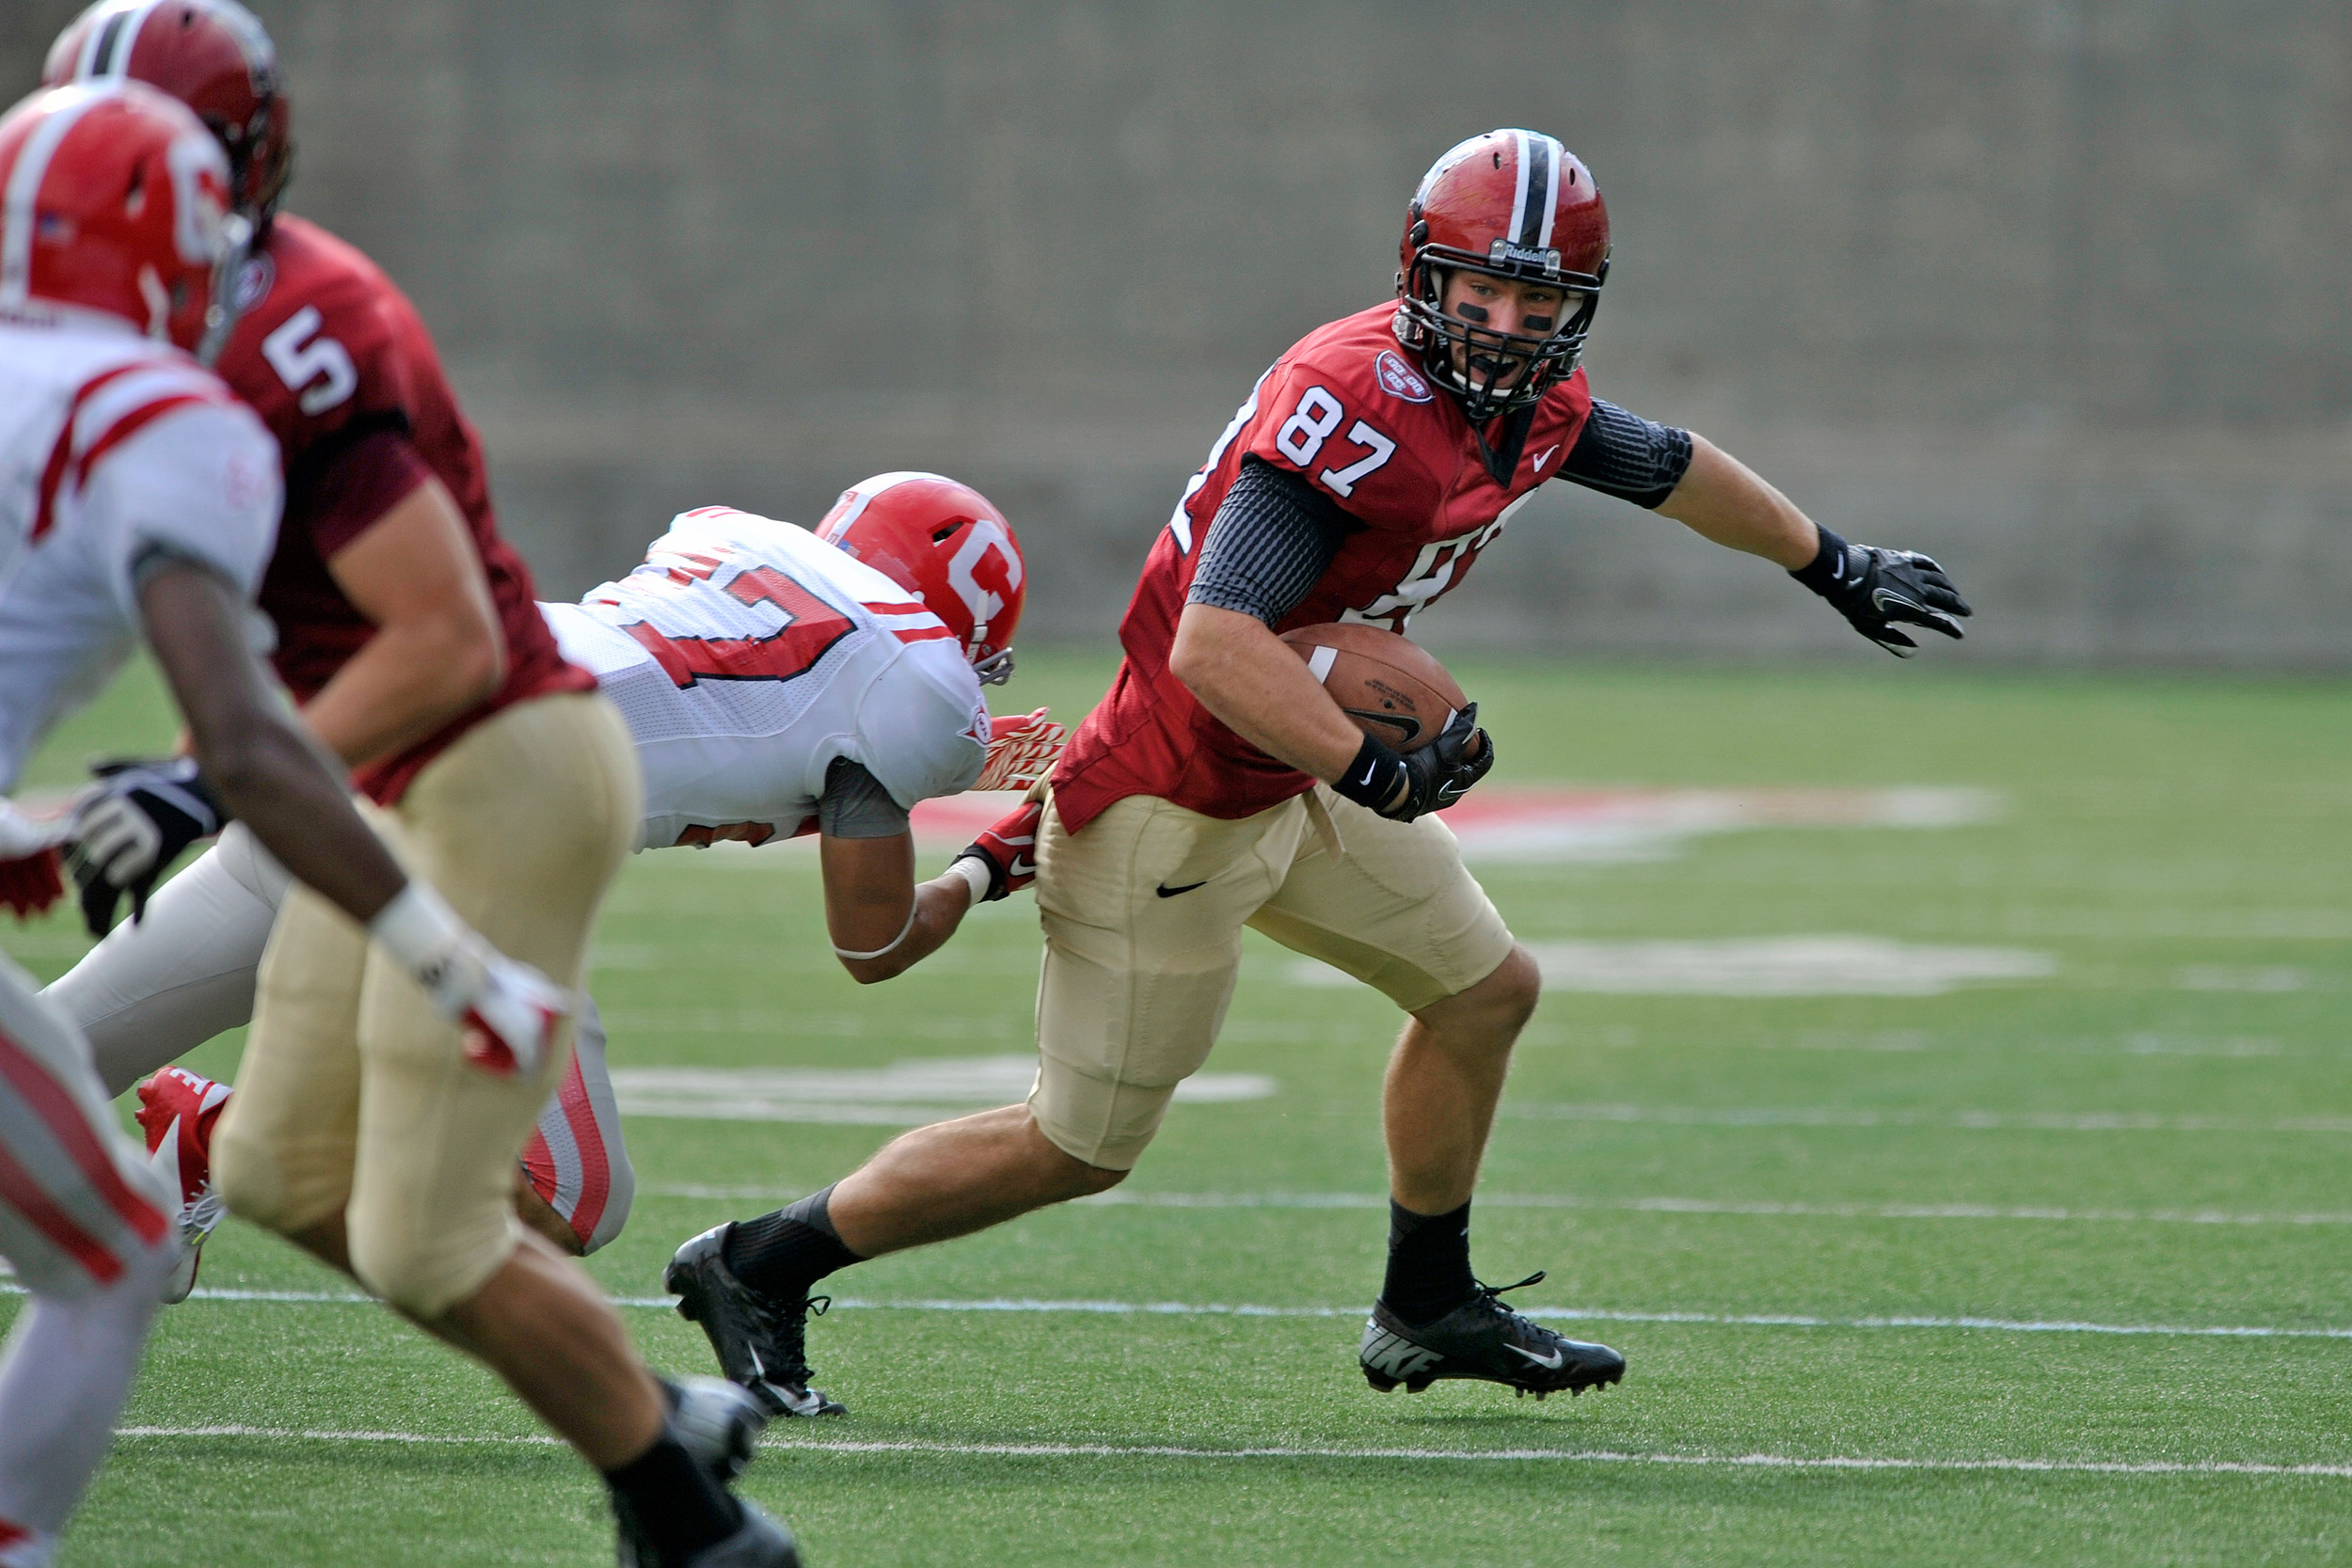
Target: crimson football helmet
[118,202]
[211,55]
[948,546]
[1512,204]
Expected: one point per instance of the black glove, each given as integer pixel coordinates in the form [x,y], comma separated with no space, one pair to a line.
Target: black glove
[1403,785]
[129,832]
[1874,588]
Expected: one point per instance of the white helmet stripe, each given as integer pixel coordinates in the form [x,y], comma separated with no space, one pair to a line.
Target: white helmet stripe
[868,489]
[107,52]
[1518,192]
[17,204]
[1554,156]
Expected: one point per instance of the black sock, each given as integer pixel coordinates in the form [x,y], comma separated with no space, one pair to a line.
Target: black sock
[781,1254]
[1429,1272]
[675,1505]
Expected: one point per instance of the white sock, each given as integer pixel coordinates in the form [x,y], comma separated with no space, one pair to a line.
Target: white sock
[63,1378]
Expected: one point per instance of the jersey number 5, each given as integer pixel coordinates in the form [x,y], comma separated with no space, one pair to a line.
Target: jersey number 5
[1303,434]
[811,627]
[300,358]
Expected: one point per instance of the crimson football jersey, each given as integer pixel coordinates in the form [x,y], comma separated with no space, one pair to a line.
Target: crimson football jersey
[330,353]
[1350,412]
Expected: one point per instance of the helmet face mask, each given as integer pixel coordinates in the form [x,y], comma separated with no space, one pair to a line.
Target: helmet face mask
[1518,207]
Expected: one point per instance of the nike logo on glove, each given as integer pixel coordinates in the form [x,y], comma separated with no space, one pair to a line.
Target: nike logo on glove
[1549,1363]
[1166,892]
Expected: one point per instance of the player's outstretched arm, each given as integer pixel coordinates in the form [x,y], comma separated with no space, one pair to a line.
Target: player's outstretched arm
[881,924]
[1876,590]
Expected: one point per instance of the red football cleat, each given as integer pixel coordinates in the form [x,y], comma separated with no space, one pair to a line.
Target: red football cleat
[178,1111]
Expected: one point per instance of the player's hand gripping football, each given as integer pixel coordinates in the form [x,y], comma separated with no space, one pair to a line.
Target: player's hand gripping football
[508,1010]
[1876,589]
[1401,785]
[129,828]
[1007,851]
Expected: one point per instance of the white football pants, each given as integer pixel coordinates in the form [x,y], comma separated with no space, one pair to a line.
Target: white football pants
[91,1233]
[150,993]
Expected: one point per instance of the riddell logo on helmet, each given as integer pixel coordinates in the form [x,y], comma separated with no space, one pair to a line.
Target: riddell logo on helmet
[1399,379]
[1503,250]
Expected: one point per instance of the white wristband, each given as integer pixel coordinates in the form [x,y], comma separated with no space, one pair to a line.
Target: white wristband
[841,952]
[417,927]
[974,870]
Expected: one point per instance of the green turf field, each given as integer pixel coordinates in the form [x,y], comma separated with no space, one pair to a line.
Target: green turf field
[2047,1269]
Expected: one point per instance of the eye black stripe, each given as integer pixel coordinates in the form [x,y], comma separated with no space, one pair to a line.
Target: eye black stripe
[1538,182]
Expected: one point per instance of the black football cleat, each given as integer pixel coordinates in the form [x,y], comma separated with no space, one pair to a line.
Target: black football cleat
[758,1542]
[1483,1339]
[762,1343]
[719,1425]
[718,1422]
[762,1543]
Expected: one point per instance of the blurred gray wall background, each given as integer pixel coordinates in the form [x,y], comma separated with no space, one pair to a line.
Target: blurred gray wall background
[2055,289]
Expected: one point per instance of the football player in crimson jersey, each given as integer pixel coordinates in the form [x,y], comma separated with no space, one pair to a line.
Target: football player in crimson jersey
[1219,785]
[365,1128]
[139,502]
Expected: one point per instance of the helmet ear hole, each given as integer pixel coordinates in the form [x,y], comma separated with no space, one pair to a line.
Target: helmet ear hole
[941,536]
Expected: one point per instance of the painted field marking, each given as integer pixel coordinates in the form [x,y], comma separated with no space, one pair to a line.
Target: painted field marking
[904,1094]
[1507,1456]
[1553,826]
[1563,1314]
[1976,1121]
[1758,966]
[1121,1198]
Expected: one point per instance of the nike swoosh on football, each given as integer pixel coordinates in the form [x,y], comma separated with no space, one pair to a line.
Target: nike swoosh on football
[1549,1363]
[1547,456]
[1166,892]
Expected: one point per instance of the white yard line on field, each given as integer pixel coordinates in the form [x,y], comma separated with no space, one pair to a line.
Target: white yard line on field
[1973,1121]
[1122,1197]
[1556,1456]
[1563,1314]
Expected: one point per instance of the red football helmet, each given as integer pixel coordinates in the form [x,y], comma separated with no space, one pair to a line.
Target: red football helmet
[211,55]
[1512,204]
[948,546]
[118,202]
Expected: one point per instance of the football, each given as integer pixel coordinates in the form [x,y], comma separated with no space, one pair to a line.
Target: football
[1390,685]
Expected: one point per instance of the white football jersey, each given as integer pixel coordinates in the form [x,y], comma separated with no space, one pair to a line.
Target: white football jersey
[111,447]
[747,654]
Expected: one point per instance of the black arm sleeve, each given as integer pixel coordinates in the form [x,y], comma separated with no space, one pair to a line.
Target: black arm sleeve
[1622,454]
[1272,538]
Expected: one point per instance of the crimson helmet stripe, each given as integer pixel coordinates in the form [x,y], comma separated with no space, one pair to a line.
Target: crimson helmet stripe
[17,216]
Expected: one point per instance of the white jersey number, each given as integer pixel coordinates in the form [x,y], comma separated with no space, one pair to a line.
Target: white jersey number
[300,363]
